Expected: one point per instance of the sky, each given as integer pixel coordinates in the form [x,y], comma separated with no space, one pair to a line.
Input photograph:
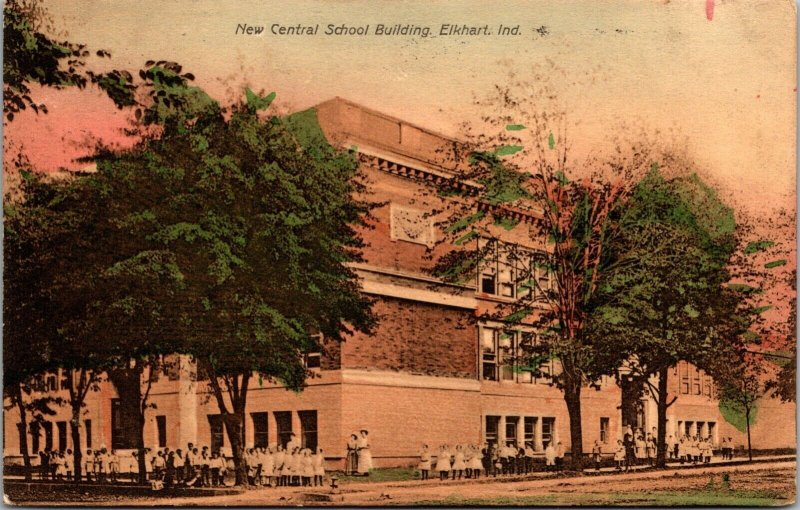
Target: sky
[719,73]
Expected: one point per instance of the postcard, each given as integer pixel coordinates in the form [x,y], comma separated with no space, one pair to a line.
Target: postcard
[352,253]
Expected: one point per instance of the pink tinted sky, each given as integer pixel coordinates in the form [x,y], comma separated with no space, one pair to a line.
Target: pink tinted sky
[726,85]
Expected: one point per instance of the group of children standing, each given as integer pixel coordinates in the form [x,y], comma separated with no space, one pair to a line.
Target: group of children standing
[638,449]
[470,461]
[98,465]
[292,466]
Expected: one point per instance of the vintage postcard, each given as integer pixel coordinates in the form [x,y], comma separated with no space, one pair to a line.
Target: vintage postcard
[414,253]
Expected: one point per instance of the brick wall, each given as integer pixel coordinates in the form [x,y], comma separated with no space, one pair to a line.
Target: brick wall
[416,338]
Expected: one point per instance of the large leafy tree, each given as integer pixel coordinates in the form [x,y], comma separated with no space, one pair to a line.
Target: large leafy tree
[663,298]
[575,206]
[256,215]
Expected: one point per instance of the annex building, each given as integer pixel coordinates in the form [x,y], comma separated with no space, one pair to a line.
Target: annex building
[432,372]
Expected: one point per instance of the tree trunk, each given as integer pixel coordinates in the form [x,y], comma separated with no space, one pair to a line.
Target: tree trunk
[661,455]
[23,436]
[77,454]
[749,445]
[140,460]
[234,427]
[128,383]
[632,388]
[572,397]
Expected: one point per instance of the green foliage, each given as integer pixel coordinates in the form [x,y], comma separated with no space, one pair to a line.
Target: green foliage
[463,223]
[257,102]
[663,296]
[515,127]
[506,222]
[31,57]
[734,414]
[775,263]
[758,246]
[507,150]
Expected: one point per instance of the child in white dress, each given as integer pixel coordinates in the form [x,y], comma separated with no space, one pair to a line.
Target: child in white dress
[443,462]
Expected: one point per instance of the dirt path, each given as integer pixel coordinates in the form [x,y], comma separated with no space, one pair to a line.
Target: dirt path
[778,477]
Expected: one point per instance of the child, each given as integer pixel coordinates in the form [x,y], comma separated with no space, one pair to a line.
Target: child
[69,464]
[443,462]
[309,471]
[424,462]
[268,467]
[88,465]
[619,455]
[114,465]
[319,467]
[596,455]
[476,462]
[458,462]
[550,456]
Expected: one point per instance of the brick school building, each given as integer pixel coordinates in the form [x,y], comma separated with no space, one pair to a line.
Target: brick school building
[433,372]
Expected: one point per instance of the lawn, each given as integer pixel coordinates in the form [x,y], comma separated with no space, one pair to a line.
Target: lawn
[703,497]
[382,475]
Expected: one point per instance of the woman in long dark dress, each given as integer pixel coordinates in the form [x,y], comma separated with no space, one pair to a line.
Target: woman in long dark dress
[169,477]
[351,463]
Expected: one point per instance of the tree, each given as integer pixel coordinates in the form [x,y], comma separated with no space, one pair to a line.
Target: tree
[575,205]
[256,216]
[740,385]
[662,297]
[25,353]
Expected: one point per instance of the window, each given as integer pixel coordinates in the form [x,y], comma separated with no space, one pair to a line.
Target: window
[539,271]
[52,383]
[507,355]
[260,424]
[489,353]
[65,382]
[88,425]
[62,435]
[488,283]
[283,422]
[492,429]
[123,431]
[35,433]
[604,423]
[695,381]
[506,270]
[707,382]
[48,435]
[548,429]
[684,373]
[21,432]
[217,435]
[312,360]
[161,427]
[688,427]
[308,429]
[712,431]
[171,366]
[511,430]
[529,430]
[507,341]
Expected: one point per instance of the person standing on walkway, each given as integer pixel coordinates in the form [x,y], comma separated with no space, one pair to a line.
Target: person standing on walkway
[351,462]
[459,464]
[443,462]
[424,462]
[597,454]
[560,452]
[550,456]
[364,454]
[630,449]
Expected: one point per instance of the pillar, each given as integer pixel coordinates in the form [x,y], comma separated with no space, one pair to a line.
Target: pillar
[537,434]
